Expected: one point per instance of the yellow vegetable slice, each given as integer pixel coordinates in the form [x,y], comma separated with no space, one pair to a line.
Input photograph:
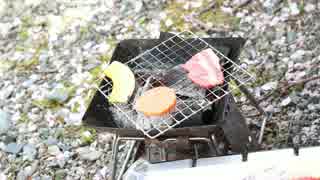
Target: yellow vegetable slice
[123,82]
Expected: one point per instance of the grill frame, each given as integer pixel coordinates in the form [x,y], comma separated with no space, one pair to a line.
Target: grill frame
[230,70]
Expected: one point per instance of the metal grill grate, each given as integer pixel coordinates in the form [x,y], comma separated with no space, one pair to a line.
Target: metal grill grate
[164,57]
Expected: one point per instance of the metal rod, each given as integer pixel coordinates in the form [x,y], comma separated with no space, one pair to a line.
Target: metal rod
[215,144]
[196,155]
[114,157]
[125,163]
[263,125]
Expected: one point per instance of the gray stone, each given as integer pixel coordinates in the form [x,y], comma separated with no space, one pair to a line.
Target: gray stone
[286,101]
[46,177]
[60,174]
[22,175]
[13,148]
[29,170]
[29,152]
[294,9]
[58,94]
[297,55]
[4,121]
[52,141]
[6,92]
[33,78]
[309,7]
[269,86]
[54,150]
[86,153]
[291,36]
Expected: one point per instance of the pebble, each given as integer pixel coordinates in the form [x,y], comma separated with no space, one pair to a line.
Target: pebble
[6,92]
[2,175]
[285,101]
[291,36]
[54,150]
[269,86]
[59,94]
[60,174]
[13,148]
[297,55]
[4,121]
[52,141]
[29,152]
[86,153]
[309,7]
[294,9]
[269,108]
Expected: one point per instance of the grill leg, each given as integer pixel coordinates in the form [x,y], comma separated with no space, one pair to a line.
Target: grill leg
[126,161]
[214,145]
[115,148]
[255,103]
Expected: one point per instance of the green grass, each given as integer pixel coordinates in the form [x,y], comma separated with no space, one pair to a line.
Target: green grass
[46,104]
[24,118]
[23,35]
[218,18]
[176,13]
[28,64]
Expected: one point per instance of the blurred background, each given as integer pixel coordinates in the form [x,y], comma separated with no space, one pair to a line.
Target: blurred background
[52,51]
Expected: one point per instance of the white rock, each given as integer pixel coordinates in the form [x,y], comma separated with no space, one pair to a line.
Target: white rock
[59,94]
[285,59]
[33,78]
[168,22]
[4,29]
[105,138]
[32,2]
[269,86]
[87,45]
[4,121]
[294,9]
[74,119]
[269,108]
[3,5]
[102,174]
[297,55]
[103,48]
[309,7]
[54,150]
[227,10]
[86,153]
[29,152]
[6,92]
[286,101]
[2,175]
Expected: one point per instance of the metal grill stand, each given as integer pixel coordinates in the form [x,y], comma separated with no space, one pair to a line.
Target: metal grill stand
[163,58]
[228,127]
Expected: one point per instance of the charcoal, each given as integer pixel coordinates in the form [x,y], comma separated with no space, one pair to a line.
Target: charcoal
[120,117]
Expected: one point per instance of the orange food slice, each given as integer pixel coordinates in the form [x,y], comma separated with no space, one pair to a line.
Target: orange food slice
[157,101]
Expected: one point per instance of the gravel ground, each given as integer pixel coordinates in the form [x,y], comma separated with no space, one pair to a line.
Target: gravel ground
[52,52]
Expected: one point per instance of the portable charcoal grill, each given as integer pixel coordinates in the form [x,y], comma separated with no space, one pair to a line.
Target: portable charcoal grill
[212,127]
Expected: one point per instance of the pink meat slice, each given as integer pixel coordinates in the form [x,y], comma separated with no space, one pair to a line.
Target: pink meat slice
[204,69]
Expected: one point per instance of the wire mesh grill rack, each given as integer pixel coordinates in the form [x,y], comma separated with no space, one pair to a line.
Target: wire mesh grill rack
[165,56]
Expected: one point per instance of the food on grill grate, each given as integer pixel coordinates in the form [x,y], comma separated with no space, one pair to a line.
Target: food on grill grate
[157,101]
[204,69]
[176,78]
[123,82]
